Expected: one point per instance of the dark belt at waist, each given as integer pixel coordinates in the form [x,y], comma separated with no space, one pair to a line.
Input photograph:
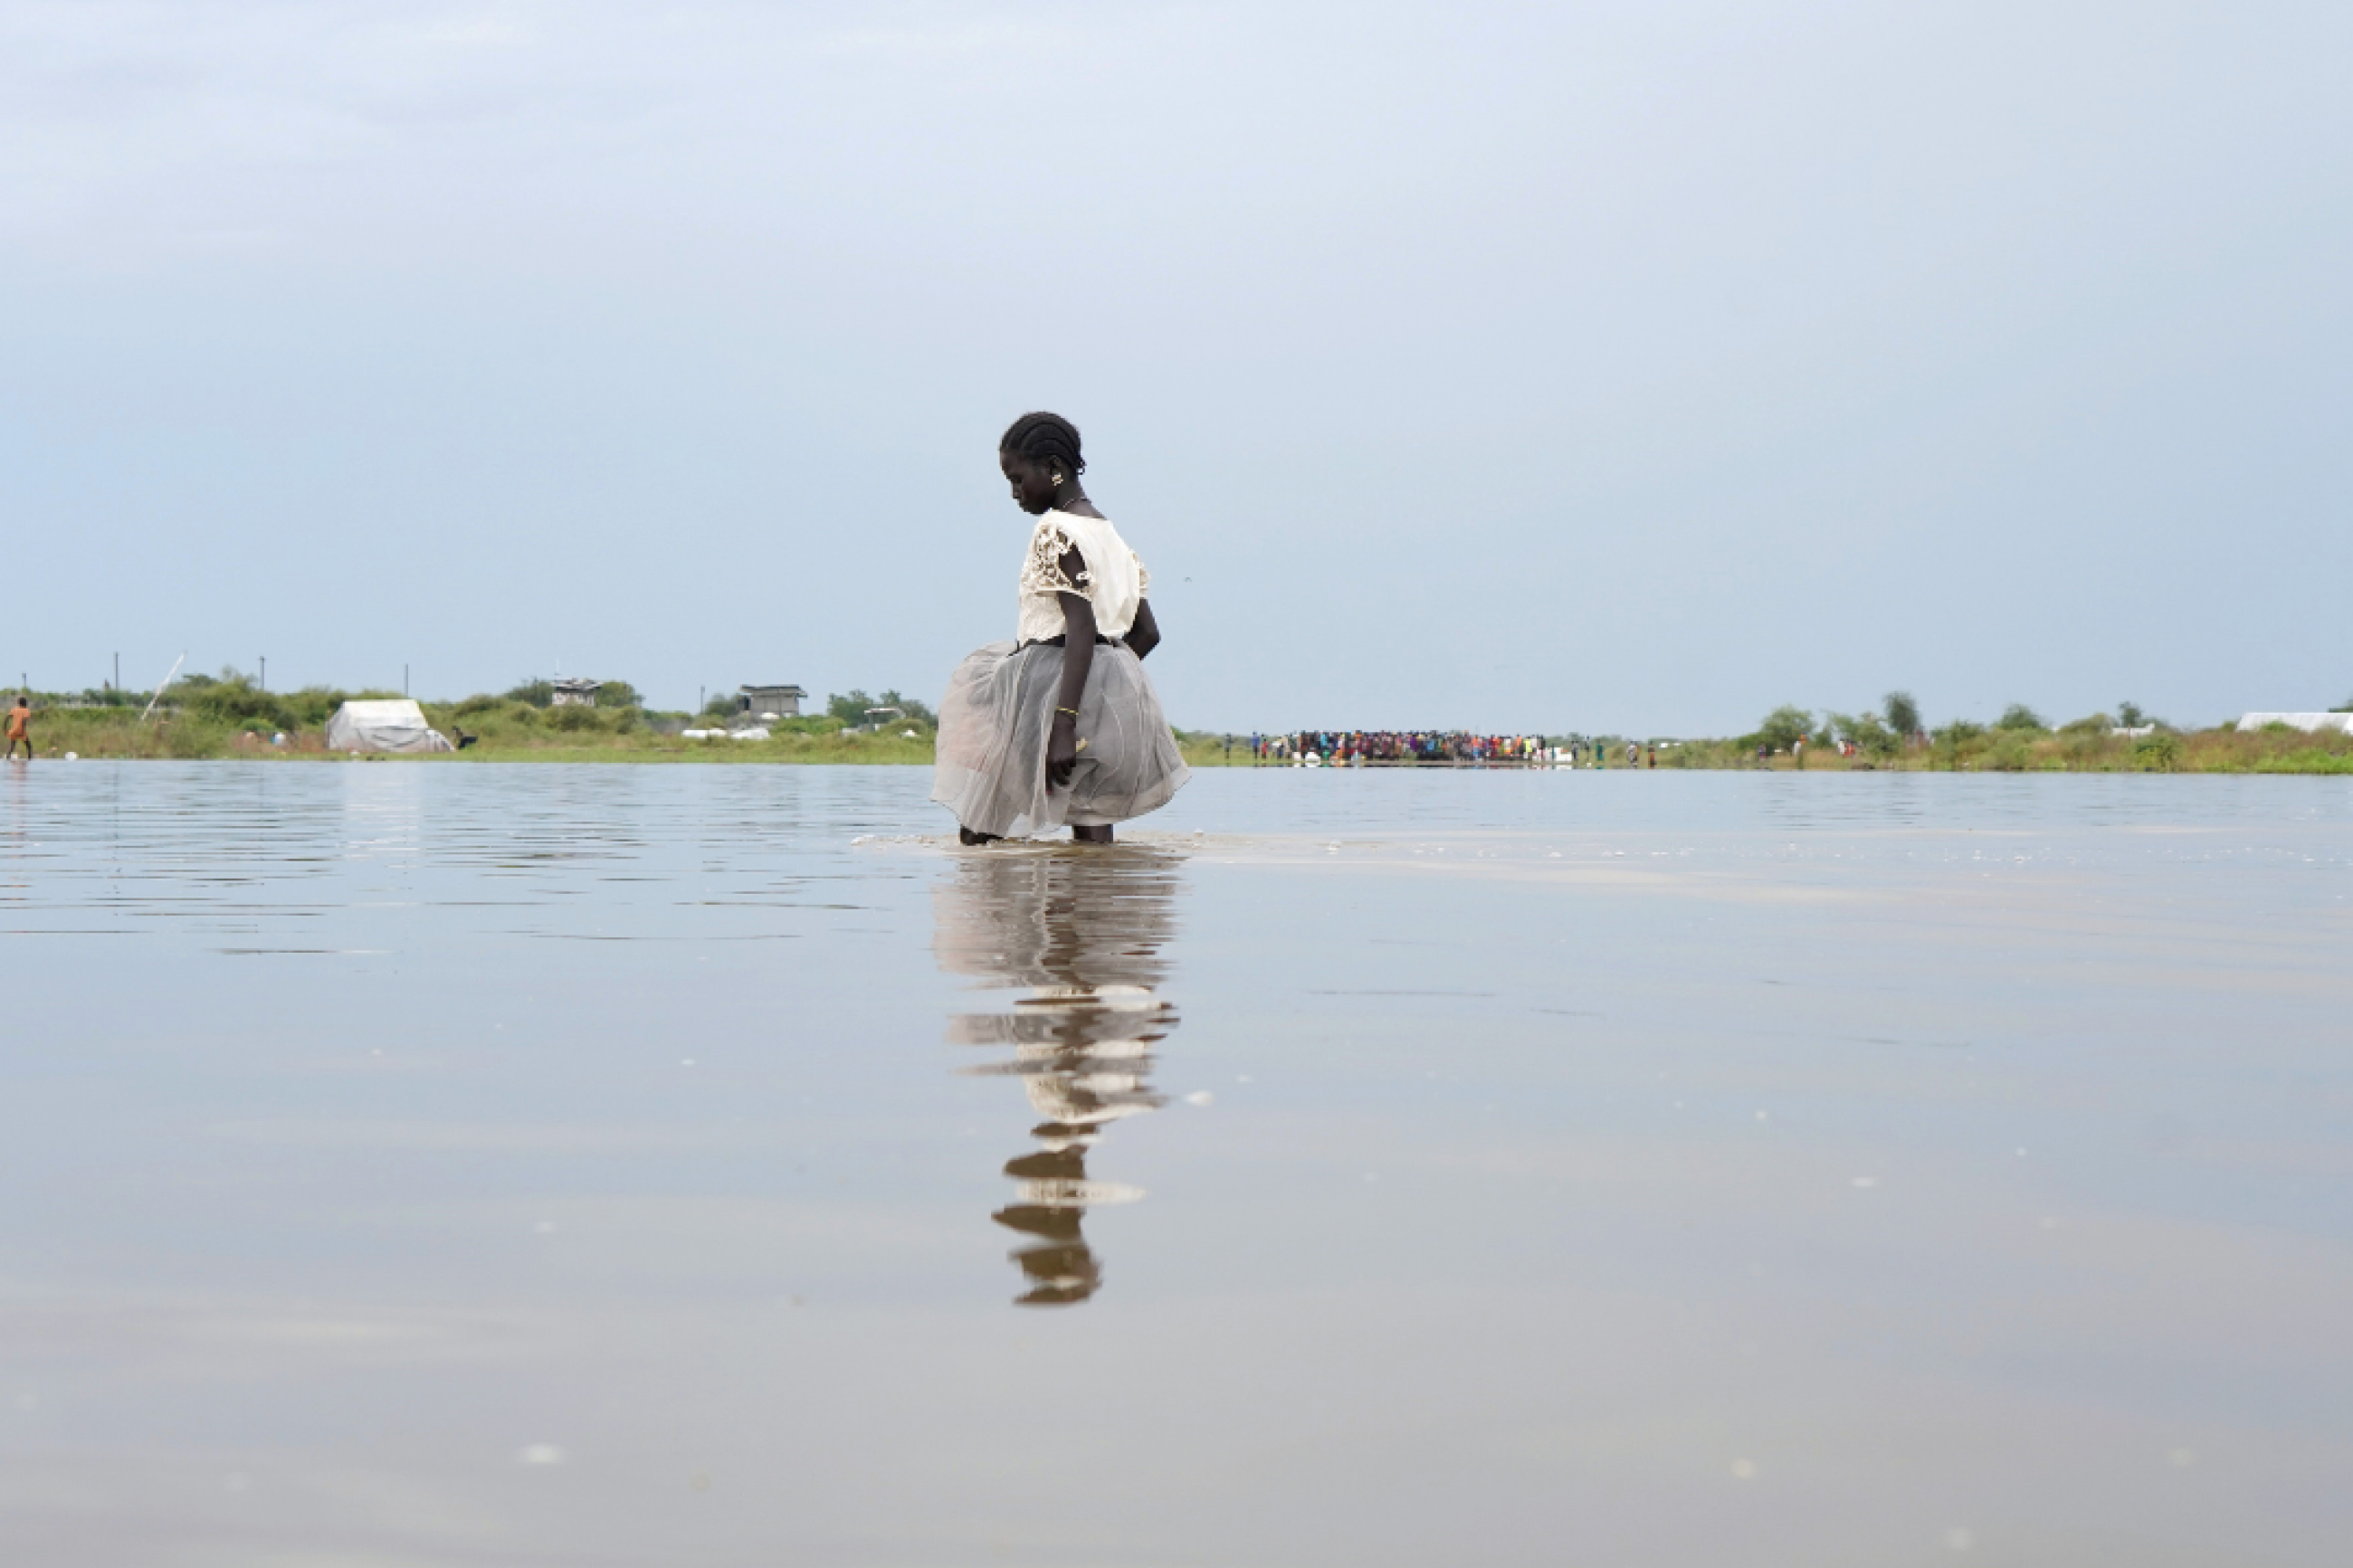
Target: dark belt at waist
[1064,641]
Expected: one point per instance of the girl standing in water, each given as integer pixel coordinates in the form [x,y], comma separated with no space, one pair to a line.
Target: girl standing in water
[1060,725]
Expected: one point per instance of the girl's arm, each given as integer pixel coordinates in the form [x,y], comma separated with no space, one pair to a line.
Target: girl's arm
[1078,660]
[1145,636]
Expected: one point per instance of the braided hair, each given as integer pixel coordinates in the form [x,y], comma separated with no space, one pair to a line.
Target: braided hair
[1046,438]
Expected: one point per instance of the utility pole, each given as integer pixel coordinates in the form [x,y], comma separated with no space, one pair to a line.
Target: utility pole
[404,680]
[265,672]
[118,674]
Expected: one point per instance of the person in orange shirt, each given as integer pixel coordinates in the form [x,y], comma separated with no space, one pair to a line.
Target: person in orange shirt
[19,718]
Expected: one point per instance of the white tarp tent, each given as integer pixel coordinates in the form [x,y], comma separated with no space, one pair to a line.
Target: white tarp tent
[2310,723]
[395,726]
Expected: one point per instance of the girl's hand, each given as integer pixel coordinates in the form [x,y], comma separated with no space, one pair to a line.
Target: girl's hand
[1061,752]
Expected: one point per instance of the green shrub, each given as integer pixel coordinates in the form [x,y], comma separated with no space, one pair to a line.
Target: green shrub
[576,719]
[231,702]
[1782,727]
[2159,753]
[1874,739]
[313,705]
[850,707]
[2010,751]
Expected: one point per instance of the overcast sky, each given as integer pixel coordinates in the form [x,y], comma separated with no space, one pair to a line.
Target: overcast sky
[1634,366]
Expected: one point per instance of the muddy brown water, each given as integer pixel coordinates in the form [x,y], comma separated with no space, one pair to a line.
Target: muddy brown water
[609,1165]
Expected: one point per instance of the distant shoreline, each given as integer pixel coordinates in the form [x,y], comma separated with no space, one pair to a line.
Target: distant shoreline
[513,732]
[895,752]
[2082,748]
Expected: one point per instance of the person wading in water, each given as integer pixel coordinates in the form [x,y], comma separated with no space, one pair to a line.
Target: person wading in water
[1061,726]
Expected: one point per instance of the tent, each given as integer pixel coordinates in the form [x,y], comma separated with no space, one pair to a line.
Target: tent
[2310,723]
[395,726]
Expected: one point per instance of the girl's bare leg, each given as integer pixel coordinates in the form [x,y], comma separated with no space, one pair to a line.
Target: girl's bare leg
[1092,834]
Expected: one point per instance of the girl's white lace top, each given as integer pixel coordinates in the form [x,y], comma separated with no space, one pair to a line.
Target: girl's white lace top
[1112,578]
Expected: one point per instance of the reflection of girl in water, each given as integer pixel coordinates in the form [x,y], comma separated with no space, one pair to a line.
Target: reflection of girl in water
[1062,725]
[1083,934]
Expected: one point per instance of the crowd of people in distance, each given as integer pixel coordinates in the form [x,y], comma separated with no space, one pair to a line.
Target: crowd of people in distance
[1356,748]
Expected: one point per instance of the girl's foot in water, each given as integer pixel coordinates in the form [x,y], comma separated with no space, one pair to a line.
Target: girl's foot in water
[1090,835]
[969,837]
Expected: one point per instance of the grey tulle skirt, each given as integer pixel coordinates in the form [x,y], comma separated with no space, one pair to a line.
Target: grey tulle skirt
[998,716]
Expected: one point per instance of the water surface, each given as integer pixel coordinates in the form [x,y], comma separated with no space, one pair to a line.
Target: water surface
[494,1165]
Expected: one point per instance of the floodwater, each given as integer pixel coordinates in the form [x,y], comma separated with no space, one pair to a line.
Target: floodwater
[575,1166]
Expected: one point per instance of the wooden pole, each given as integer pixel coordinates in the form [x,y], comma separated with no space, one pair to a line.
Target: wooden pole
[159,691]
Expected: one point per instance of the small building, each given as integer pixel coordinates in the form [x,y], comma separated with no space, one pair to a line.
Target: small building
[759,702]
[576,691]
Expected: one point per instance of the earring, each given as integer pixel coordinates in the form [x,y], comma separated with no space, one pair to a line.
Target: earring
[1058,479]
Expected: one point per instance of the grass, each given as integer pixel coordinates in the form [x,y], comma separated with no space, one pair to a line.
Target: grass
[504,731]
[229,719]
[2074,749]
[786,746]
[1202,749]
[2309,760]
[56,734]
